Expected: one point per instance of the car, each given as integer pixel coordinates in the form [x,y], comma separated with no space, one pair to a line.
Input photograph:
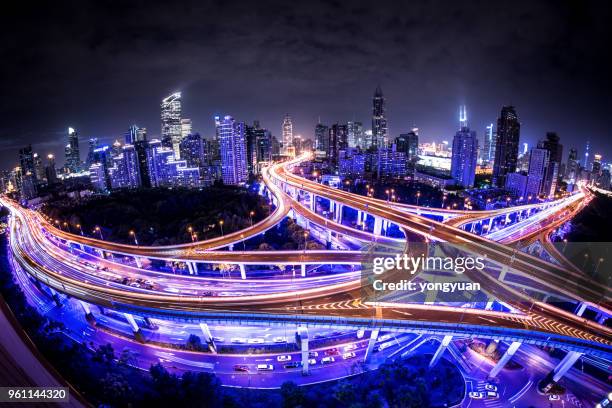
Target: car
[327,360]
[553,397]
[492,395]
[350,347]
[384,337]
[312,361]
[238,340]
[348,356]
[218,339]
[318,336]
[256,340]
[332,352]
[476,395]
[265,367]
[280,339]
[283,358]
[313,354]
[293,364]
[490,387]
[239,367]
[383,346]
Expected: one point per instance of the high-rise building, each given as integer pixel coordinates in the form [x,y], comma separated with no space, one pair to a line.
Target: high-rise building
[93,145]
[379,120]
[409,144]
[233,151]
[551,143]
[516,184]
[355,134]
[351,163]
[321,136]
[488,153]
[39,169]
[26,161]
[135,134]
[390,163]
[142,152]
[287,133]
[596,166]
[192,151]
[73,155]
[186,127]
[125,171]
[571,173]
[263,148]
[99,170]
[586,156]
[465,153]
[338,140]
[538,165]
[171,127]
[506,145]
[166,171]
[50,171]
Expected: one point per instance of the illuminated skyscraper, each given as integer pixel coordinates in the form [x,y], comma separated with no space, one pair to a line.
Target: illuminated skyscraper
[538,165]
[171,122]
[506,145]
[321,140]
[135,134]
[93,145]
[233,151]
[355,134]
[488,154]
[186,127]
[409,144]
[555,149]
[50,171]
[571,173]
[586,156]
[26,161]
[72,153]
[465,153]
[287,133]
[379,119]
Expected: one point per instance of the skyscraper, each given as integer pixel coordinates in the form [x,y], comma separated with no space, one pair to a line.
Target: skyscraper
[338,140]
[171,122]
[321,140]
[409,144]
[93,145]
[465,153]
[506,145]
[26,161]
[73,156]
[135,134]
[142,153]
[233,151]
[538,164]
[287,133]
[379,119]
[50,171]
[555,149]
[571,173]
[186,127]
[488,154]
[192,151]
[355,134]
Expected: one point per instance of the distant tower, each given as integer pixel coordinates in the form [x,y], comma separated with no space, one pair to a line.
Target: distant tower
[171,123]
[506,145]
[465,153]
[489,144]
[379,119]
[462,117]
[586,156]
[232,142]
[72,153]
[287,132]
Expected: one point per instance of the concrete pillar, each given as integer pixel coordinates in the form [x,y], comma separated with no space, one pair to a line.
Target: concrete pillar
[191,268]
[505,358]
[359,216]
[371,343]
[231,247]
[489,305]
[242,271]
[303,268]
[86,309]
[601,319]
[502,274]
[339,209]
[332,207]
[313,202]
[377,225]
[329,237]
[563,367]
[132,322]
[581,308]
[440,351]
[303,334]
[138,262]
[207,337]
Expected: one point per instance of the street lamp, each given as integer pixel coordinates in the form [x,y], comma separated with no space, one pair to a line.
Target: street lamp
[418,194]
[99,231]
[80,229]
[387,192]
[251,214]
[133,234]
[221,226]
[243,244]
[190,230]
[305,238]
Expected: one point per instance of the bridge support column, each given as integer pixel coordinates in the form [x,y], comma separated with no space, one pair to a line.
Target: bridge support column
[332,207]
[303,270]
[313,202]
[191,267]
[559,371]
[87,310]
[581,308]
[231,247]
[371,343]
[303,335]
[503,272]
[505,358]
[138,262]
[132,323]
[440,351]
[339,208]
[242,271]
[208,338]
[329,238]
[377,225]
[359,216]
[489,305]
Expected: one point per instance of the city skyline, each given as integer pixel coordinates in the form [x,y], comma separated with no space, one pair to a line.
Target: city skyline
[423,78]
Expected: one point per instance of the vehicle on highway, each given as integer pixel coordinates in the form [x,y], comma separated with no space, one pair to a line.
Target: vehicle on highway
[490,387]
[332,352]
[327,360]
[293,364]
[265,367]
[256,340]
[476,395]
[313,354]
[348,356]
[283,358]
[553,397]
[218,339]
[350,347]
[239,367]
[280,339]
[384,337]
[239,340]
[312,361]
[492,395]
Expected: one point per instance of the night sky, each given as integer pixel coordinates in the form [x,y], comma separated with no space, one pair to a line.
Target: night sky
[101,67]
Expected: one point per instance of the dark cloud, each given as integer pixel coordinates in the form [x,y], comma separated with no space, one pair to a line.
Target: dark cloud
[99,66]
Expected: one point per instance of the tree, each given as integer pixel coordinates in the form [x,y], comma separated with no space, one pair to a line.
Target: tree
[292,395]
[104,354]
[194,343]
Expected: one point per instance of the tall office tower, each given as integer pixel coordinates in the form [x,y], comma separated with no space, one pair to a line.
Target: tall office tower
[142,153]
[263,140]
[50,171]
[99,170]
[506,145]
[338,140]
[73,156]
[93,145]
[379,120]
[571,171]
[125,171]
[538,164]
[116,148]
[355,134]
[192,151]
[233,151]
[287,133]
[171,122]
[186,127]
[39,169]
[409,144]
[586,156]
[551,143]
[596,168]
[465,153]
[251,148]
[488,154]
[26,162]
[321,136]
[135,134]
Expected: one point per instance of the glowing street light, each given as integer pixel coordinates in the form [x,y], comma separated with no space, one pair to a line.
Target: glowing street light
[133,234]
[99,231]
[221,226]
[251,214]
[80,229]
[418,194]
